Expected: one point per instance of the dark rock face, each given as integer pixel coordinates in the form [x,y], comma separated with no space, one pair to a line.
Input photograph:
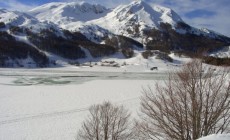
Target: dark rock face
[24,37]
[168,39]
[48,41]
[66,44]
[10,49]
[159,55]
[124,45]
[72,46]
[69,45]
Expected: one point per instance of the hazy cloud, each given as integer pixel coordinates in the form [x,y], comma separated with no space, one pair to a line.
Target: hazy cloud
[200,13]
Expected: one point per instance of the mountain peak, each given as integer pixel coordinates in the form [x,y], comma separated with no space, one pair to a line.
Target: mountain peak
[74,6]
[93,30]
[140,2]
[138,16]
[150,14]
[23,20]
[66,12]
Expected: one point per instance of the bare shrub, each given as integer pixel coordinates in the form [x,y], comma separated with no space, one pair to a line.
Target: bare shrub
[193,102]
[106,122]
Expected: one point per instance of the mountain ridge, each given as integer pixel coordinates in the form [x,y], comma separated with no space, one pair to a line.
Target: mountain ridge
[129,20]
[77,29]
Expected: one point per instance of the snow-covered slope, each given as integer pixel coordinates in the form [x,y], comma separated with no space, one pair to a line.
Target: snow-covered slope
[129,20]
[133,19]
[122,20]
[223,53]
[216,137]
[69,14]
[137,16]
[19,19]
[74,16]
[103,31]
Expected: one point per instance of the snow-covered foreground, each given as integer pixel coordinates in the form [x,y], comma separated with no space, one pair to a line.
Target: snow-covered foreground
[217,137]
[51,103]
[42,105]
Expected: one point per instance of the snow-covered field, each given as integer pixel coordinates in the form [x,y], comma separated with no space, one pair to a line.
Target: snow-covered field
[50,104]
[216,137]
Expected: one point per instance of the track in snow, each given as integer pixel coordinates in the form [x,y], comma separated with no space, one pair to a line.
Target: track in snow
[54,114]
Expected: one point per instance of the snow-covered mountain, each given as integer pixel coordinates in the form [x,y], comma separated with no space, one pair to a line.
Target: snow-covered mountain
[138,11]
[19,19]
[26,40]
[223,53]
[131,20]
[74,16]
[79,30]
[69,16]
[69,12]
[122,20]
[134,19]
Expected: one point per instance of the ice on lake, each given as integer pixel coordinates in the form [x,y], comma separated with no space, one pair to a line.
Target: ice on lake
[41,104]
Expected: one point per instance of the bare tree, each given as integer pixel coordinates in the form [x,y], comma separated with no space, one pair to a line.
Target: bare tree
[106,122]
[193,102]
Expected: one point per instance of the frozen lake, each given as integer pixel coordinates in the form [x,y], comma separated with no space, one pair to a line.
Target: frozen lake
[50,104]
[61,77]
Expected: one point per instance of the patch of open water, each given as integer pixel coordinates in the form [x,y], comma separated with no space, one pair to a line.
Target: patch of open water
[28,78]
